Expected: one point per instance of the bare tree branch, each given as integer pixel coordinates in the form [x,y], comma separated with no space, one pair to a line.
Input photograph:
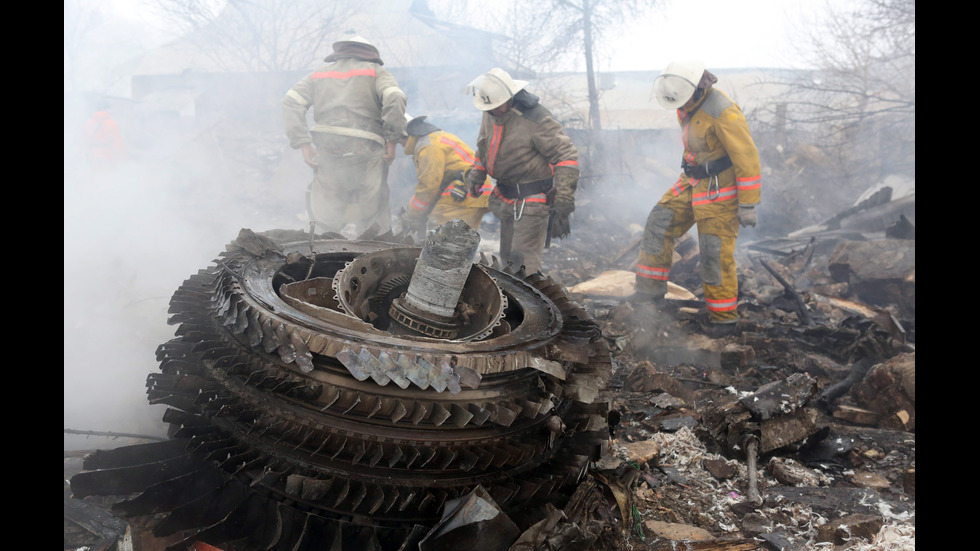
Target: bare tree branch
[259,35]
[859,104]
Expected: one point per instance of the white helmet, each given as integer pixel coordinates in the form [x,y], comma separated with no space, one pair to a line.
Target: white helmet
[357,39]
[493,88]
[675,86]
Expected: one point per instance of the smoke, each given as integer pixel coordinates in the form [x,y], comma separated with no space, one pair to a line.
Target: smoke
[120,258]
[135,230]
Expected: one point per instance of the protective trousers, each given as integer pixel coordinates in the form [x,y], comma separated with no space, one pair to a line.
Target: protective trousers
[523,230]
[350,189]
[670,219]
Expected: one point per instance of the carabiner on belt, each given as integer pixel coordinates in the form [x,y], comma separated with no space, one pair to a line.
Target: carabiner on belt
[713,190]
[518,212]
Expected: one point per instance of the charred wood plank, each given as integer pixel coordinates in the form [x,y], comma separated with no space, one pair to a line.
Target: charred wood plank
[830,394]
[800,304]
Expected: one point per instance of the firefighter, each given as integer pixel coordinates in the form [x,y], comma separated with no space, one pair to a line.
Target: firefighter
[441,161]
[534,163]
[359,118]
[103,142]
[718,190]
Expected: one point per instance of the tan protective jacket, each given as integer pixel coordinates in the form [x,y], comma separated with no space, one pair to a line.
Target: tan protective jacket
[349,97]
[521,147]
[440,156]
[716,129]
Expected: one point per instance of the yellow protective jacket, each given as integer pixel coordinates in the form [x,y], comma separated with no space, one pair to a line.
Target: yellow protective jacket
[440,158]
[350,98]
[713,128]
[527,144]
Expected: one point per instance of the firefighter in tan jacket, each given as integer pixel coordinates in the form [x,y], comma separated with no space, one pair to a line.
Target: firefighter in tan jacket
[534,163]
[359,118]
[718,190]
[441,162]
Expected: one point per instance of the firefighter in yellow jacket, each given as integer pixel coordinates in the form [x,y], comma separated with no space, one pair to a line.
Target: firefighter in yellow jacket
[359,118]
[441,162]
[718,190]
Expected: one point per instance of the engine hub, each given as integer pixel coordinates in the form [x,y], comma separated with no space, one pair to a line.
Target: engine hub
[301,412]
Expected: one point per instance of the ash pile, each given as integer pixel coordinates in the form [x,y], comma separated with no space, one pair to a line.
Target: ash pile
[797,431]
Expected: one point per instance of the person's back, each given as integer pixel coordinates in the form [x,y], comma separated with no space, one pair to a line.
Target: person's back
[345,100]
[441,162]
[359,116]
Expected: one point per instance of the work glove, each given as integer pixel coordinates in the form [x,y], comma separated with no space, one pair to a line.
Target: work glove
[559,224]
[413,222]
[693,171]
[457,190]
[746,216]
[564,204]
[475,180]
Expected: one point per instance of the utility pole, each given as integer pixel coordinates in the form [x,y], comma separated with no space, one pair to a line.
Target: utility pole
[594,155]
[595,121]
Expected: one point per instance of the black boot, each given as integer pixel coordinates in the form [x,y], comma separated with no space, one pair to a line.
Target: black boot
[643,299]
[718,330]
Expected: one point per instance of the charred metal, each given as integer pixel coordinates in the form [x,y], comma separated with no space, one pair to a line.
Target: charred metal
[326,393]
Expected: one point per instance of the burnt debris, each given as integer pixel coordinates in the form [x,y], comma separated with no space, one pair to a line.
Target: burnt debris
[304,415]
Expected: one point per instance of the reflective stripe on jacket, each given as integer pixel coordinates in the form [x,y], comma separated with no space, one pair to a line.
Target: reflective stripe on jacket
[349,98]
[718,128]
[437,156]
[519,147]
